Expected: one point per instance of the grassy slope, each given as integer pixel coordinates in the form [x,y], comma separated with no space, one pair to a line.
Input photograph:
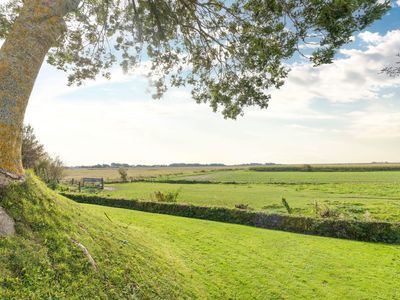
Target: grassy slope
[265,197]
[42,262]
[154,256]
[238,262]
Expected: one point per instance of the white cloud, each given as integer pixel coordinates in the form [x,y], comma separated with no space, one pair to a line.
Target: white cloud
[354,77]
[141,130]
[371,37]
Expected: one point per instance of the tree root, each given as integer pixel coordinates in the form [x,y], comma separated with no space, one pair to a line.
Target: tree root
[87,254]
[7,178]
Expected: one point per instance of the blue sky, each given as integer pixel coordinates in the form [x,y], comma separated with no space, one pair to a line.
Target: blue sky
[344,112]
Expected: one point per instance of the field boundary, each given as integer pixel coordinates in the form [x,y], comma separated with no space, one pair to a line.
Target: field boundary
[383,232]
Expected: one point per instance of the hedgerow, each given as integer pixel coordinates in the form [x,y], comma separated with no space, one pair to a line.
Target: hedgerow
[369,231]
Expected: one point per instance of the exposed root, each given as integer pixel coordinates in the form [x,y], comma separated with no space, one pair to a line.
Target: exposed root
[7,224]
[87,254]
[7,178]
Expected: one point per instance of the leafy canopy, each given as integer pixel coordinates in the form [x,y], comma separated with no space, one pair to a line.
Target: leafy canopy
[232,53]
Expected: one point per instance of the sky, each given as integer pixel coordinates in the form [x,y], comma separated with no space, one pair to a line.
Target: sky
[344,112]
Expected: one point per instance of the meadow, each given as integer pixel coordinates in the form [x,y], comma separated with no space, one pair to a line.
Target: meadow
[367,196]
[290,177]
[111,174]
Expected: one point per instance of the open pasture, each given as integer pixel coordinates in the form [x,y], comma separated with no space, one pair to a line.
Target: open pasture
[111,174]
[268,197]
[366,195]
[248,176]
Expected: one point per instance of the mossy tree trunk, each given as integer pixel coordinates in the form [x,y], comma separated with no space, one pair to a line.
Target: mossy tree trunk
[34,32]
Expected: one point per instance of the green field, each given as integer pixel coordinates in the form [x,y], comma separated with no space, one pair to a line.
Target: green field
[354,195]
[111,174]
[247,176]
[151,256]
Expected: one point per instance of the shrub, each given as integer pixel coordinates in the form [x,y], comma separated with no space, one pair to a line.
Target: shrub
[167,197]
[324,211]
[242,206]
[123,174]
[34,156]
[306,168]
[50,170]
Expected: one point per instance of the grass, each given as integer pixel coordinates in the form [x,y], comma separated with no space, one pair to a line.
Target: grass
[247,176]
[267,197]
[367,195]
[150,256]
[42,262]
[111,174]
[237,262]
[343,167]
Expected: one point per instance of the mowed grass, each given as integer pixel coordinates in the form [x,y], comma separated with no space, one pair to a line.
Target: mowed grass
[266,197]
[225,261]
[247,176]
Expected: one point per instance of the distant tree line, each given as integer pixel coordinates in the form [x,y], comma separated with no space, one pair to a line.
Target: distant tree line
[173,165]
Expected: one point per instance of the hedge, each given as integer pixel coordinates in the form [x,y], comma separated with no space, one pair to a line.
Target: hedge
[383,232]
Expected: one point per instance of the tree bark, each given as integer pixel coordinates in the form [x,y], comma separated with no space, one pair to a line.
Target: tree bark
[34,32]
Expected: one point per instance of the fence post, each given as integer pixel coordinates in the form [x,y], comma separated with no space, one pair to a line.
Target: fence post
[102,183]
[79,186]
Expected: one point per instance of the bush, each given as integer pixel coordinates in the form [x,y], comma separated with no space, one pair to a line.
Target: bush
[50,170]
[324,211]
[306,168]
[123,174]
[167,197]
[34,156]
[242,206]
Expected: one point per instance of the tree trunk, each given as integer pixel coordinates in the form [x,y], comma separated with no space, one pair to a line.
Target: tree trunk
[35,30]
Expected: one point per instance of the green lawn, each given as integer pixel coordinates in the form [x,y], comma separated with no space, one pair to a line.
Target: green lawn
[267,197]
[225,261]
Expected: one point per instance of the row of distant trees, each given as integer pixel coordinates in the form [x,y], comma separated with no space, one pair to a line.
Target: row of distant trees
[34,156]
[176,165]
